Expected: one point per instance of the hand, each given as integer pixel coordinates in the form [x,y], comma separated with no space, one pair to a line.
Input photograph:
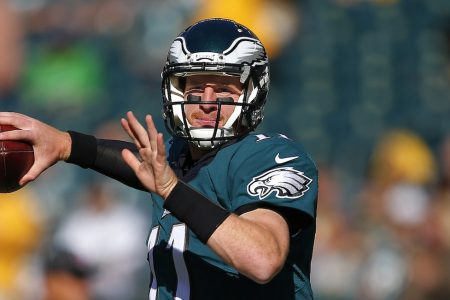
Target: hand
[49,144]
[151,168]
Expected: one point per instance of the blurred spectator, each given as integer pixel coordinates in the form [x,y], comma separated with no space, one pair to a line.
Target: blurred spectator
[441,197]
[84,17]
[63,74]
[20,235]
[395,207]
[429,260]
[428,274]
[443,189]
[66,277]
[275,23]
[402,168]
[338,251]
[384,270]
[402,156]
[11,47]
[109,236]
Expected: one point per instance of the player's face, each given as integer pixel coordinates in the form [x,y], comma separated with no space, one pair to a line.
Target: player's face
[211,88]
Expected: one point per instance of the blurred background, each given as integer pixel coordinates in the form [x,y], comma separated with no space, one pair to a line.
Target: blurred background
[363,84]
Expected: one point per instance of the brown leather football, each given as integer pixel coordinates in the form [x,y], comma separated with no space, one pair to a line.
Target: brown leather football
[16,158]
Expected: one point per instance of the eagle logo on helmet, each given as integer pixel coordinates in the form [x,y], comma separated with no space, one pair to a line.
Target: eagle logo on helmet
[242,50]
[284,182]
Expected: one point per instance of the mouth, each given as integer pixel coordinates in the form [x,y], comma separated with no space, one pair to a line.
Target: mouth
[205,121]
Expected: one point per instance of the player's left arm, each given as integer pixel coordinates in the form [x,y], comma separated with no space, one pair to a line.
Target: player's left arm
[255,243]
[272,200]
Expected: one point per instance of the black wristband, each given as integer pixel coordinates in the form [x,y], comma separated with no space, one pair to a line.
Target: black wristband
[84,149]
[195,210]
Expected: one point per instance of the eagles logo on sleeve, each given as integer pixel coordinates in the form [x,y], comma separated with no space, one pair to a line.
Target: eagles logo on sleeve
[284,182]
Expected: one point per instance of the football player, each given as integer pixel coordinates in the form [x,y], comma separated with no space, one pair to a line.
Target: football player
[233,210]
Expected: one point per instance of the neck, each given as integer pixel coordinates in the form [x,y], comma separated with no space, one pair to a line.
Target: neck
[196,152]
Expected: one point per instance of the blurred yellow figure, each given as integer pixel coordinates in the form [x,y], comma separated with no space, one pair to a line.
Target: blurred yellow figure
[402,156]
[20,232]
[274,22]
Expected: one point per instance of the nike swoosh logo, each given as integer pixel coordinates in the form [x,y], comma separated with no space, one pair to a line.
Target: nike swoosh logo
[279,160]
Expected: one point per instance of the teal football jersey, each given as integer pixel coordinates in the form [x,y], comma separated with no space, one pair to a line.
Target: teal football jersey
[269,171]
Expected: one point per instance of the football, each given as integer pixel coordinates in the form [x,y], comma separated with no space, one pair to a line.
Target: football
[16,158]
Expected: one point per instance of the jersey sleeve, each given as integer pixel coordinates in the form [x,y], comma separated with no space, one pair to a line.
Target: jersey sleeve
[275,173]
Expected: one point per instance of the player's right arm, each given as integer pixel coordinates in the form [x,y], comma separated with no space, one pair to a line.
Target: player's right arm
[51,145]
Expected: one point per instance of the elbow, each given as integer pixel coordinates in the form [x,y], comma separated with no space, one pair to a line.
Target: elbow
[265,269]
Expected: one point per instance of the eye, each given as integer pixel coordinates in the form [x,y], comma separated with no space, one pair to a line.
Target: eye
[225,99]
[193,98]
[223,90]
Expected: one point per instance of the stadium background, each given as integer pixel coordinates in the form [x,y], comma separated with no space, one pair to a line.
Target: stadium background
[363,84]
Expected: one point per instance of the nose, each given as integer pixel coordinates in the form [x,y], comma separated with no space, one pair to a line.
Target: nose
[208,95]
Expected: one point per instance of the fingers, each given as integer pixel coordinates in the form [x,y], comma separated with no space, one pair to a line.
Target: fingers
[14,135]
[6,119]
[126,124]
[12,118]
[19,121]
[156,141]
[11,114]
[31,175]
[152,132]
[141,137]
[38,167]
[161,149]
[126,127]
[131,160]
[138,131]
[149,142]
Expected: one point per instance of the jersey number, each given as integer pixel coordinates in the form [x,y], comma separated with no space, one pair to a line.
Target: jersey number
[262,137]
[177,242]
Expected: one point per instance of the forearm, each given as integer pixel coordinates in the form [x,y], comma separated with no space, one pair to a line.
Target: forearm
[103,156]
[255,243]
[110,163]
